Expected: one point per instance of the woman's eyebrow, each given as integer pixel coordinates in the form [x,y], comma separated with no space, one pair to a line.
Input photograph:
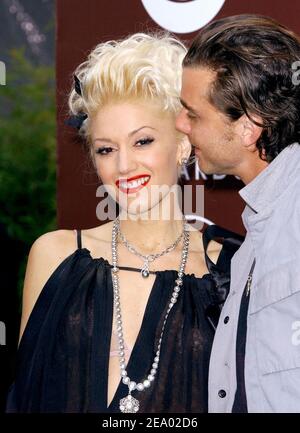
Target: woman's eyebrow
[137,130]
[108,140]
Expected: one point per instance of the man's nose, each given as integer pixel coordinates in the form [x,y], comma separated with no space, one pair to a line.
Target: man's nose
[182,122]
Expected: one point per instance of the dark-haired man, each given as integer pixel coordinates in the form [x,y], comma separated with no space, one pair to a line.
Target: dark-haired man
[241,111]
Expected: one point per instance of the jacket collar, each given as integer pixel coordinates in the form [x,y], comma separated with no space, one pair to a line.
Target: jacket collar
[266,188]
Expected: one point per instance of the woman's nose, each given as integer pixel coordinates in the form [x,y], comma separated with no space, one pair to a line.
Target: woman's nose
[126,161]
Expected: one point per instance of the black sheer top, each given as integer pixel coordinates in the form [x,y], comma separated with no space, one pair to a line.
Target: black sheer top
[63,355]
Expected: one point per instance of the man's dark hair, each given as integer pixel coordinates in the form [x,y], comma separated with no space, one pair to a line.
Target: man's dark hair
[252,56]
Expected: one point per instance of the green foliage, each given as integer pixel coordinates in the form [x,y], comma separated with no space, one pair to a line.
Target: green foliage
[27,150]
[27,153]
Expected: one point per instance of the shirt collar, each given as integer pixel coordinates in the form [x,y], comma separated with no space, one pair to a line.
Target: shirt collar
[265,188]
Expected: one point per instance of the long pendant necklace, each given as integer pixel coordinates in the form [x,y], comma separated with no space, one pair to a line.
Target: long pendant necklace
[129,404]
[145,271]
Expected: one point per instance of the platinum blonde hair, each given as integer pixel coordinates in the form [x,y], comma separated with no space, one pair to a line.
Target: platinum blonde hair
[140,67]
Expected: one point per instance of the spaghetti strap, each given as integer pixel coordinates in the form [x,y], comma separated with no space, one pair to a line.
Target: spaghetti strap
[231,242]
[126,268]
[79,244]
[220,271]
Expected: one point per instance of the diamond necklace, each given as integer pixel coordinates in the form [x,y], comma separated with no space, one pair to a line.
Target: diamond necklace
[130,404]
[145,271]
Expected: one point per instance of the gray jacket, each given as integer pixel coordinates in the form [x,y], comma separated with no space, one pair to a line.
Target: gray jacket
[272,359]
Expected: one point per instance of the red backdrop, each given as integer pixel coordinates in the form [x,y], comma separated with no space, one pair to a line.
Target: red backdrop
[82,25]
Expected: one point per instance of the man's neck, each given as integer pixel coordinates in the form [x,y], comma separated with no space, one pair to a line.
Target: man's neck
[251,169]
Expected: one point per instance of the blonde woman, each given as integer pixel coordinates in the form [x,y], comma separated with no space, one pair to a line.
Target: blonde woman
[114,317]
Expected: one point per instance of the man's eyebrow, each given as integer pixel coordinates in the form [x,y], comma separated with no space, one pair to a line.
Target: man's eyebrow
[187,107]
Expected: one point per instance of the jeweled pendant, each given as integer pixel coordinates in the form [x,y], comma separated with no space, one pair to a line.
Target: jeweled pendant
[145,273]
[129,404]
[145,270]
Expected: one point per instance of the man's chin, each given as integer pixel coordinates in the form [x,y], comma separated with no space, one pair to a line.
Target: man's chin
[203,167]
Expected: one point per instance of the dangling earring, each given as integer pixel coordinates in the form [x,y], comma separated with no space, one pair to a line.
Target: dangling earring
[184,161]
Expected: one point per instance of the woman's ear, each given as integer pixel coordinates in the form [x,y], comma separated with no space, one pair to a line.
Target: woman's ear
[249,131]
[184,149]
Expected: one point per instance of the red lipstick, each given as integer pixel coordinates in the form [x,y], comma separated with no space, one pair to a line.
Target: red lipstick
[130,179]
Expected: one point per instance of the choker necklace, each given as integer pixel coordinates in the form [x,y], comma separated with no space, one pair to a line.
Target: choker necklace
[130,404]
[150,257]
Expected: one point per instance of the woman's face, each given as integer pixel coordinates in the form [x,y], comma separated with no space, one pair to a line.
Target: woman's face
[136,150]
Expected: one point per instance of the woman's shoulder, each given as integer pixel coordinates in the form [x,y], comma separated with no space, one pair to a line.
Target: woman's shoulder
[55,243]
[98,239]
[99,233]
[50,249]
[65,241]
[196,244]
[228,240]
[46,254]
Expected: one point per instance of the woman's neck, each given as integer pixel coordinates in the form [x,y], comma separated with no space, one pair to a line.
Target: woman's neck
[149,235]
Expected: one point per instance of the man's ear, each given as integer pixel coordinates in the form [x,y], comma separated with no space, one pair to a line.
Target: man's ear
[249,131]
[184,149]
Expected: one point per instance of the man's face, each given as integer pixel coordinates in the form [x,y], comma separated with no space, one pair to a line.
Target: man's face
[217,146]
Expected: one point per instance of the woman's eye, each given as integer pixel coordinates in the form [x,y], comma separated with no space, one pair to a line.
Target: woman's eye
[145,141]
[104,150]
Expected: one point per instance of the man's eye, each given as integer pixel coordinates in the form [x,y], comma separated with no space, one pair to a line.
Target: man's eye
[191,115]
[145,141]
[104,150]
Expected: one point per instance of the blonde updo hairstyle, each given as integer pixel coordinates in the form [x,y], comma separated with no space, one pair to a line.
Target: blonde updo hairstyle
[140,67]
